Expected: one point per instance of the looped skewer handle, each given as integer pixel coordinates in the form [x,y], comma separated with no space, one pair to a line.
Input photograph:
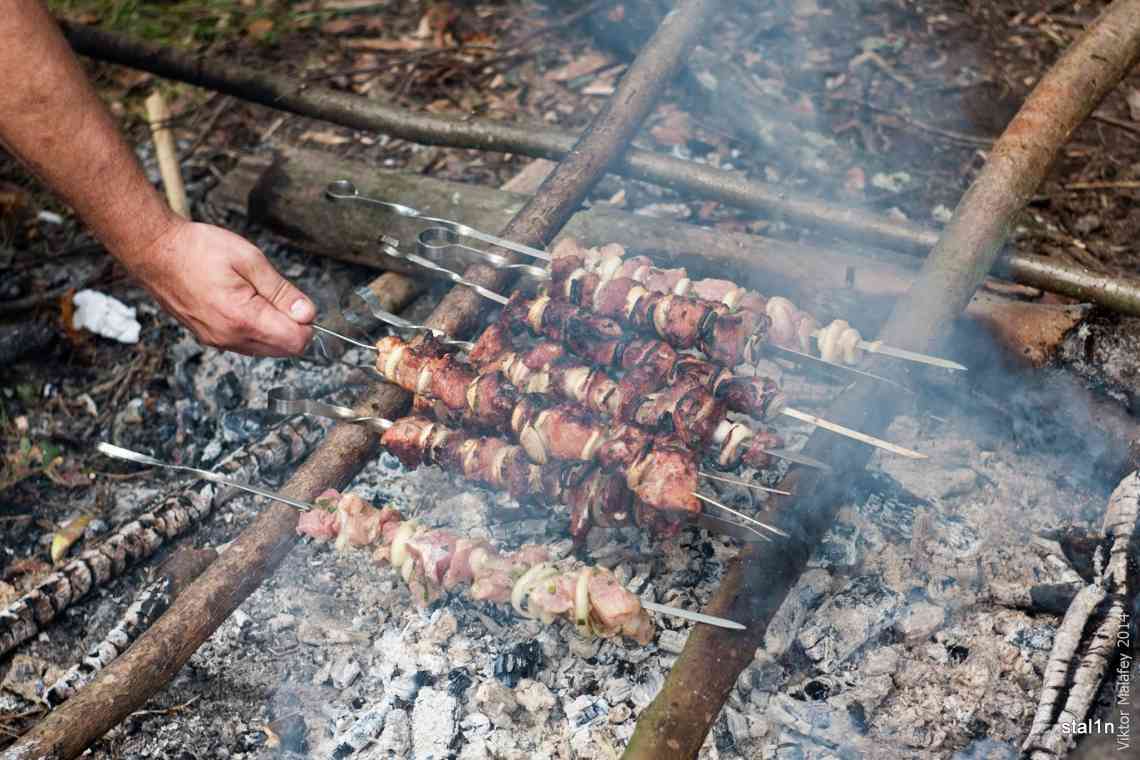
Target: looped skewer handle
[442,271]
[442,242]
[287,401]
[118,452]
[345,190]
[373,303]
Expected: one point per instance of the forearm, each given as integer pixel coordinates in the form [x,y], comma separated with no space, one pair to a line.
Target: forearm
[52,120]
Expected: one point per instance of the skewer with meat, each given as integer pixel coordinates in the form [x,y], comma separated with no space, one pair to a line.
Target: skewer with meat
[435,561]
[685,407]
[565,431]
[724,320]
[668,478]
[649,364]
[652,364]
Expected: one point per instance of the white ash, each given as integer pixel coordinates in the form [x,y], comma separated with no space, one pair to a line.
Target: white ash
[433,724]
[857,659]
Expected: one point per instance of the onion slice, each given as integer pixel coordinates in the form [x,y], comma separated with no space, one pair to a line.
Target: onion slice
[399,542]
[582,603]
[523,585]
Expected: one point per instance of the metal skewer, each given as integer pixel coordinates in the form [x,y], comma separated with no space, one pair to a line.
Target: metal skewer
[744,483]
[373,303]
[834,427]
[345,190]
[741,515]
[118,452]
[878,347]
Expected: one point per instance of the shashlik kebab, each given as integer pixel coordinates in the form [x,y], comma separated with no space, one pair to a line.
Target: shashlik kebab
[368,527]
[436,561]
[593,501]
[794,413]
[490,397]
[715,314]
[603,342]
[838,340]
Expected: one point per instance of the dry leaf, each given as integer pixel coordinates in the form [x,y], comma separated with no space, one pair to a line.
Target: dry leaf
[260,28]
[65,537]
[326,138]
[25,566]
[599,88]
[1133,100]
[578,67]
[675,129]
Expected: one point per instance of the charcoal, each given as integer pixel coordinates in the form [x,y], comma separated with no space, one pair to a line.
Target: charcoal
[524,660]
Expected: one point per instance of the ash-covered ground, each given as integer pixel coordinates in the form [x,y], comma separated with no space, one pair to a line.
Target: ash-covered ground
[903,638]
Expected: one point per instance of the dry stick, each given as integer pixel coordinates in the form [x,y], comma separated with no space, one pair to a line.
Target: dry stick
[158,114]
[756,583]
[540,141]
[159,654]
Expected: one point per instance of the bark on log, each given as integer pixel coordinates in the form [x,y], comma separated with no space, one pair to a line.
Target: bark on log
[677,722]
[160,653]
[732,188]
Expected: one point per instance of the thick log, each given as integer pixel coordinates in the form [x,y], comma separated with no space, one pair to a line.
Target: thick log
[677,722]
[161,652]
[286,196]
[284,93]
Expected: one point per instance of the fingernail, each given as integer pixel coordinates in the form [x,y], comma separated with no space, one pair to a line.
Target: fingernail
[301,309]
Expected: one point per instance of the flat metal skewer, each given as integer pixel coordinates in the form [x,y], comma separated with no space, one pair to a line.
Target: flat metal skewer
[838,429]
[696,617]
[744,483]
[118,452]
[345,190]
[878,347]
[739,514]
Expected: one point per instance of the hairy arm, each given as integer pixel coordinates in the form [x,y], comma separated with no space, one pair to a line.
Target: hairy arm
[216,283]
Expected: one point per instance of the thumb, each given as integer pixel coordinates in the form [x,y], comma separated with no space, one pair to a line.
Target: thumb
[270,285]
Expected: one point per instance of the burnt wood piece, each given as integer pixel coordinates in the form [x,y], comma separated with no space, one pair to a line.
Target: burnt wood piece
[186,564]
[162,651]
[540,141]
[755,583]
[171,516]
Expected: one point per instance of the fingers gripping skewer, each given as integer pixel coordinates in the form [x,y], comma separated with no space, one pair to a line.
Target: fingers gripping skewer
[119,452]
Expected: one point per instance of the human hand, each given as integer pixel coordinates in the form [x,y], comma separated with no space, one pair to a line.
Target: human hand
[224,290]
